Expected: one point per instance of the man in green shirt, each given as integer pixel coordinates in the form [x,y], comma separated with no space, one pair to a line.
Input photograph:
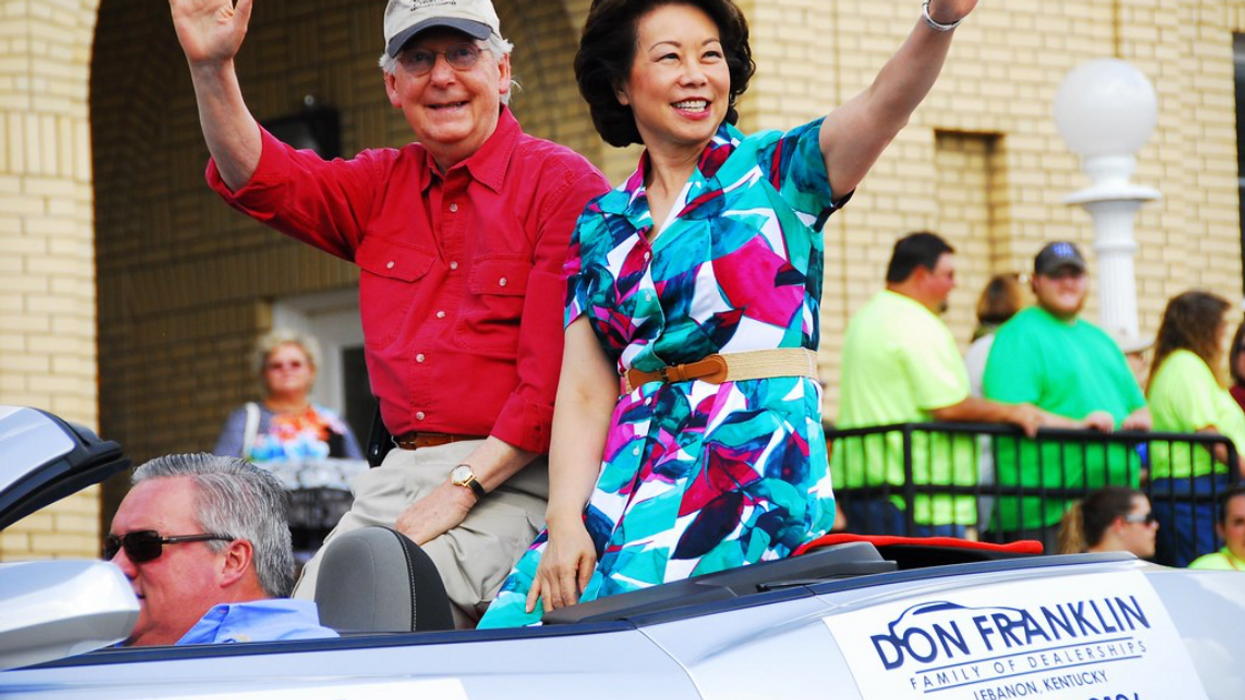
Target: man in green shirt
[901,365]
[1231,529]
[1048,356]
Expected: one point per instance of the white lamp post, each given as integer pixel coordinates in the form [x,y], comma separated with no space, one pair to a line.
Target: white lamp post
[1105,111]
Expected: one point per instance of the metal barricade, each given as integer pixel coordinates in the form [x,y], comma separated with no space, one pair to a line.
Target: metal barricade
[987,481]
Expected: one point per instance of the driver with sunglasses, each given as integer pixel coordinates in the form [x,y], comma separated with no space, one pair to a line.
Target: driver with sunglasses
[205,544]
[459,239]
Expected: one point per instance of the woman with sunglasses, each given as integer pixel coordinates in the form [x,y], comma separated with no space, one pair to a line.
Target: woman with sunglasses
[286,426]
[1111,519]
[696,286]
[1186,395]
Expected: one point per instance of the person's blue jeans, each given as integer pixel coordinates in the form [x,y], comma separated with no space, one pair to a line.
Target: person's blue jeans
[1186,530]
[878,516]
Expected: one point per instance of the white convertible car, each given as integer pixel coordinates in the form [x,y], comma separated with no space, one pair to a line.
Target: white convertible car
[861,619]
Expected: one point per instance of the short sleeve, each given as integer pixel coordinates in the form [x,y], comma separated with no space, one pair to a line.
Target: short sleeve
[1012,371]
[577,283]
[1194,394]
[936,370]
[796,168]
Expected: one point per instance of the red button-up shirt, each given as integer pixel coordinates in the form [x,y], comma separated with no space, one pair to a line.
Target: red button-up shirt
[460,287]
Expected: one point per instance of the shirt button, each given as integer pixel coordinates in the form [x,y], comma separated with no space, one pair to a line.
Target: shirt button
[389,265]
[648,296]
[419,357]
[454,207]
[419,415]
[453,264]
[647,255]
[501,282]
[440,314]
[636,452]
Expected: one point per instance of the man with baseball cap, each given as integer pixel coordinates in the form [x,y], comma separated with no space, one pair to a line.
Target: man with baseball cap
[1049,356]
[460,240]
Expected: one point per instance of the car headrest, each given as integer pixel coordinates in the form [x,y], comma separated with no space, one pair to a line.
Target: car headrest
[374,579]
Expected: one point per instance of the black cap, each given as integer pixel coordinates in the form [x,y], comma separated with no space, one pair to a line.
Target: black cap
[1056,256]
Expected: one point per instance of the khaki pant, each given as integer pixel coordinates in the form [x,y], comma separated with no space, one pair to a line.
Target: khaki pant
[473,558]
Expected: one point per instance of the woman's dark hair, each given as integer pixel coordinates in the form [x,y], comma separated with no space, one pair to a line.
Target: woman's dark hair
[1221,508]
[1190,322]
[607,51]
[1235,353]
[1000,300]
[1087,521]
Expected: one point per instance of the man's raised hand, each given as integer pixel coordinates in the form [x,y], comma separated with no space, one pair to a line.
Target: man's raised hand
[210,31]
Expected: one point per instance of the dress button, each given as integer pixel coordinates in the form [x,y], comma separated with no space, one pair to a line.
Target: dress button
[419,357]
[419,415]
[453,264]
[501,282]
[389,265]
[454,207]
[440,314]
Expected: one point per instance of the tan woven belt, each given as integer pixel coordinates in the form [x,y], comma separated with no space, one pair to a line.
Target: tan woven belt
[731,367]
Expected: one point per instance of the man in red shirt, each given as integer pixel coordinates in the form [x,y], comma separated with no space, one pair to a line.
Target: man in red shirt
[460,240]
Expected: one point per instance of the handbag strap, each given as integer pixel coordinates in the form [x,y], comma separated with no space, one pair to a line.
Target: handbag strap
[252,429]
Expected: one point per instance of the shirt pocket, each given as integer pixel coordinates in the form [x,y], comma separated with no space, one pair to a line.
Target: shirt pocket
[493,308]
[390,271]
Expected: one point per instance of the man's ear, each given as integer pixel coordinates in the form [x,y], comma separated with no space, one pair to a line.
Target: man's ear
[391,89]
[236,562]
[504,83]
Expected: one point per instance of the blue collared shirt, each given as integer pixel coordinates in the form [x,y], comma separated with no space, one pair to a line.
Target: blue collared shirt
[258,621]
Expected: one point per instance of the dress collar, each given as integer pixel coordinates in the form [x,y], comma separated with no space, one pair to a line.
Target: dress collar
[631,194]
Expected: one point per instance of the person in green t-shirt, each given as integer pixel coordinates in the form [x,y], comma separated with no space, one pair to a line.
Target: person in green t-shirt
[1048,356]
[1231,529]
[1187,396]
[901,365]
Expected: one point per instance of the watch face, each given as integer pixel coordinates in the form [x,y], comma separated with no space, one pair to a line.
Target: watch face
[461,474]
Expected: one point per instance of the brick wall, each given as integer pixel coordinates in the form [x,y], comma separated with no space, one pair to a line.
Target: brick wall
[47,271]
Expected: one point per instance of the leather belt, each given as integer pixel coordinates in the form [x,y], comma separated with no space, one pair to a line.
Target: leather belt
[414,440]
[731,367]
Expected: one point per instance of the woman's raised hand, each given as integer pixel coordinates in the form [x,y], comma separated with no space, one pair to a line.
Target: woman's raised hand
[565,568]
[210,31]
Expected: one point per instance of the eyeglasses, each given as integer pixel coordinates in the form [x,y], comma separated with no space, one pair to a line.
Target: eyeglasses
[146,545]
[421,61]
[292,364]
[1146,519]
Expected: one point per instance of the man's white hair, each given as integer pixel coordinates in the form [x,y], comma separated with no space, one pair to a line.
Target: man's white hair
[496,44]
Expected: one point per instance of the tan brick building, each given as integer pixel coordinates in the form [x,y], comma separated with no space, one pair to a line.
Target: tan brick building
[130,296]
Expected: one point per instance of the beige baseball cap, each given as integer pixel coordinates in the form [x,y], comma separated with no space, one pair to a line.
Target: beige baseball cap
[406,18]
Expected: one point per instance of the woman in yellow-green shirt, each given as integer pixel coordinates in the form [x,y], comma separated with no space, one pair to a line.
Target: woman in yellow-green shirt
[1186,395]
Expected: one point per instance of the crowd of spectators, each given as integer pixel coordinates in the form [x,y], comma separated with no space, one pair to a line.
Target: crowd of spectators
[1037,366]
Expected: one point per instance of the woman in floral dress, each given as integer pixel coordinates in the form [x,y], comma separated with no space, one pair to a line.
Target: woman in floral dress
[713,247]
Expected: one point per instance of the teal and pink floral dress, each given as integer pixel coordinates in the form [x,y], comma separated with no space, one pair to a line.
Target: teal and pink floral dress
[699,477]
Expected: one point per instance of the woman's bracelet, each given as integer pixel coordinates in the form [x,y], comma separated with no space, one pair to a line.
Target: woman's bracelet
[934,24]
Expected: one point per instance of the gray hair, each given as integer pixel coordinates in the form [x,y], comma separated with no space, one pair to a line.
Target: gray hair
[499,47]
[236,498]
[277,337]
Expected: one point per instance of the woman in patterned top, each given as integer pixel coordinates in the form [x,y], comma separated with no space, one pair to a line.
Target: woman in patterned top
[286,426]
[712,249]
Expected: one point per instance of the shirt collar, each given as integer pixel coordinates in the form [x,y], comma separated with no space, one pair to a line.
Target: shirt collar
[717,151]
[489,164]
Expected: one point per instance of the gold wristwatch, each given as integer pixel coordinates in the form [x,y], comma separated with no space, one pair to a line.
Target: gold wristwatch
[463,475]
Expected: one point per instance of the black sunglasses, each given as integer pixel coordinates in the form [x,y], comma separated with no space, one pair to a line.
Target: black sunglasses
[145,545]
